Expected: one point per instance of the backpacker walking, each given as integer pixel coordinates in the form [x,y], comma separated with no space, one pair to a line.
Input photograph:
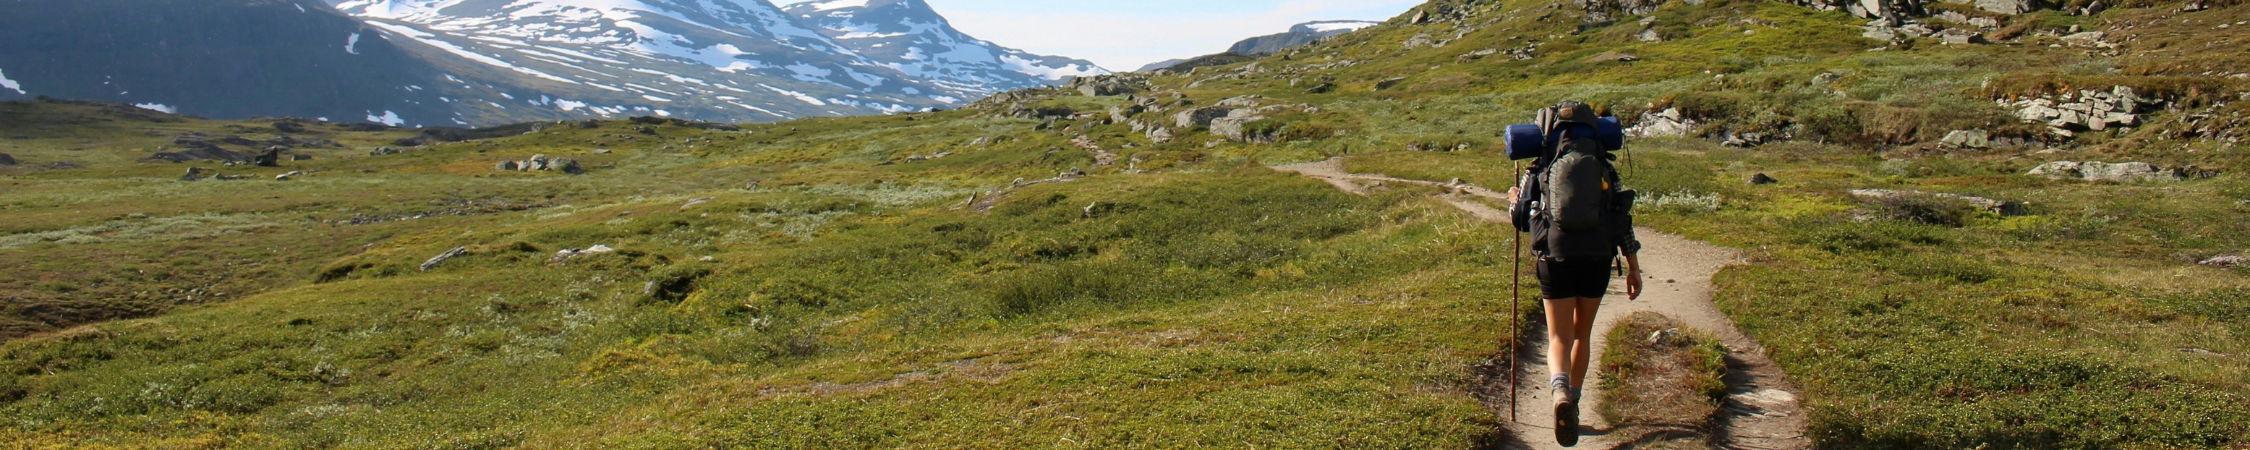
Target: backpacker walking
[1573,204]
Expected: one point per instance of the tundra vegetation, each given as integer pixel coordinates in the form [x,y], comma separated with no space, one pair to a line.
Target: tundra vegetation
[981,278]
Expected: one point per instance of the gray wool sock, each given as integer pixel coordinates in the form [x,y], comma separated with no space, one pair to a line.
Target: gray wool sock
[1561,380]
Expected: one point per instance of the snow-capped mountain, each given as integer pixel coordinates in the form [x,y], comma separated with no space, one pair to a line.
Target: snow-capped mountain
[909,36]
[727,60]
[490,62]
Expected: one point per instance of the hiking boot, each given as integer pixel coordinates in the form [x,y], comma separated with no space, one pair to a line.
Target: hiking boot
[1566,417]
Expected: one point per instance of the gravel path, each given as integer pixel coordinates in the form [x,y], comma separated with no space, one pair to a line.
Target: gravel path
[1761,411]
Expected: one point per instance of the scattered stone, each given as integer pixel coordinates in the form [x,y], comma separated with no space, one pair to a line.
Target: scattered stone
[193,173]
[2228,261]
[1762,179]
[1665,335]
[1386,84]
[300,157]
[1322,88]
[293,174]
[601,151]
[1970,139]
[694,201]
[506,166]
[441,257]
[6,160]
[2069,113]
[567,254]
[230,177]
[2003,208]
[2198,351]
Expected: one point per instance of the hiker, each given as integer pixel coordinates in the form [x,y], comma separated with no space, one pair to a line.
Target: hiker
[1572,203]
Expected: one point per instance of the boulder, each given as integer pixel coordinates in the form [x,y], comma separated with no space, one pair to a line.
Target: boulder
[2010,7]
[2056,170]
[1322,88]
[433,262]
[289,176]
[6,160]
[1389,83]
[2131,171]
[1234,126]
[1125,112]
[505,166]
[2102,171]
[1970,139]
[566,165]
[1160,135]
[1762,179]
[269,158]
[193,173]
[1198,117]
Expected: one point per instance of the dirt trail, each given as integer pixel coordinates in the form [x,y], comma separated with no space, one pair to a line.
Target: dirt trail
[1761,411]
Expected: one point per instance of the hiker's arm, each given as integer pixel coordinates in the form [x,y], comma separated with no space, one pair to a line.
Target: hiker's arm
[1519,203]
[1633,277]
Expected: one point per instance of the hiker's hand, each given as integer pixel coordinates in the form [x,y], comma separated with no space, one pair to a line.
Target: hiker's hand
[1633,284]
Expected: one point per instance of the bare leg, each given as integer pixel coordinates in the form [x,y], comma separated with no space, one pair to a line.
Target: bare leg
[1562,329]
[1582,347]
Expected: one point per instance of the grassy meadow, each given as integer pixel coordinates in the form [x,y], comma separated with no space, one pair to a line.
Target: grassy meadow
[834,283]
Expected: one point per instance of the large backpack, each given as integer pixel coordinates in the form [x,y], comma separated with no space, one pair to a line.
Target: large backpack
[1582,212]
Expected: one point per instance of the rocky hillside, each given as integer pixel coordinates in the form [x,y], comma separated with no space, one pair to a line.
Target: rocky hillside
[455,62]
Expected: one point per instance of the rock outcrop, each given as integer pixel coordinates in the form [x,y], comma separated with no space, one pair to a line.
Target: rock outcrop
[2001,207]
[2071,113]
[1666,123]
[2120,172]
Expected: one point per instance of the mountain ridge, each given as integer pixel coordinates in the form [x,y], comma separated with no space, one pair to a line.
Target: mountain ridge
[489,62]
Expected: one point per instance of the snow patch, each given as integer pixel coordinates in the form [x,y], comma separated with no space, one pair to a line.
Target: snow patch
[8,84]
[656,98]
[431,40]
[158,107]
[388,118]
[833,5]
[1324,27]
[800,96]
[351,43]
[567,105]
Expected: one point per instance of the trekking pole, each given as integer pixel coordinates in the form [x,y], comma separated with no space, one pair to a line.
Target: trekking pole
[1515,297]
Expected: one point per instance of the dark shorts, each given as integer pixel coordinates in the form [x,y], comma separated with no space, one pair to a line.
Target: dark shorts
[1588,279]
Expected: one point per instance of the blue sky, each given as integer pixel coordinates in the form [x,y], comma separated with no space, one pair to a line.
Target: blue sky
[1126,34]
